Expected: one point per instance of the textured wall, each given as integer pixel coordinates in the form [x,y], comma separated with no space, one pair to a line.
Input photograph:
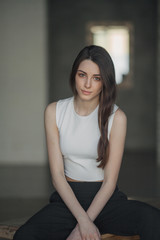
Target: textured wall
[23,81]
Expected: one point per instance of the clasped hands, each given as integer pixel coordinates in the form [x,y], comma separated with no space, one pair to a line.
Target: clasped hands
[85,230]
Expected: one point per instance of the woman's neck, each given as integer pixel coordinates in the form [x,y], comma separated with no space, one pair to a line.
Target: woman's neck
[84,107]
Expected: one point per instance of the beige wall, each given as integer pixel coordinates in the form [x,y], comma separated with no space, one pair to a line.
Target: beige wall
[23,81]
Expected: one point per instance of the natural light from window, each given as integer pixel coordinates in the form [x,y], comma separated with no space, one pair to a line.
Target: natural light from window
[115,39]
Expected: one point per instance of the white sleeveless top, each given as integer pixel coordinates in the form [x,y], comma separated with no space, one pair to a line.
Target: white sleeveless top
[79,136]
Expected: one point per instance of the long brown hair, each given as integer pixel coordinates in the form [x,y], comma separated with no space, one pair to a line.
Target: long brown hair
[107,96]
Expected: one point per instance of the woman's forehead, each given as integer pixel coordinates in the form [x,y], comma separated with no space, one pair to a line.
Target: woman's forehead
[89,66]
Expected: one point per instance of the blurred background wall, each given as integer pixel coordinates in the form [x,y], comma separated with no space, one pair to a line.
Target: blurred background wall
[23,95]
[23,81]
[39,41]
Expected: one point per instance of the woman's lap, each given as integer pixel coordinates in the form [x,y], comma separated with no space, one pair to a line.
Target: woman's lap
[54,221]
[119,216]
[129,217]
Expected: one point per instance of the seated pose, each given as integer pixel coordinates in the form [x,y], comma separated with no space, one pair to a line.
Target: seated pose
[85,137]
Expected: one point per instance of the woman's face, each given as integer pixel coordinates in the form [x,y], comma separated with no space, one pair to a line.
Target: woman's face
[88,80]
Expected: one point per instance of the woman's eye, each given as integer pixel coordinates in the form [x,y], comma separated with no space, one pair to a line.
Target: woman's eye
[81,74]
[97,78]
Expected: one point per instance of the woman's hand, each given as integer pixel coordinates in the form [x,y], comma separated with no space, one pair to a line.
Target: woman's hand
[88,230]
[75,234]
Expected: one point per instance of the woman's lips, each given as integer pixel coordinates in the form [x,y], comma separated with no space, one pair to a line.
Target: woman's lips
[86,92]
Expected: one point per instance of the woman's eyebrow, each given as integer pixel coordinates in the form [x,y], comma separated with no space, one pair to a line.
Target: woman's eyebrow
[86,73]
[81,71]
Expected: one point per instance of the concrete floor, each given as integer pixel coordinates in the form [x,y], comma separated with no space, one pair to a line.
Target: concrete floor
[139,178]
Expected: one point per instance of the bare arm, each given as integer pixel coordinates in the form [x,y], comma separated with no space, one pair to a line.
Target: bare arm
[111,170]
[57,166]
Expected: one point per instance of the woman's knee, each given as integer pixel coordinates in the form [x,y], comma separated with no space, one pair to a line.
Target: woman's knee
[149,217]
[25,232]
[151,213]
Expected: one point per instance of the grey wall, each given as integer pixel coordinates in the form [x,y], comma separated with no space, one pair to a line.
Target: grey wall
[68,36]
[23,77]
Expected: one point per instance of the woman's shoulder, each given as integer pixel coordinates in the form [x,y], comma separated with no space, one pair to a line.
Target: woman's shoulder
[118,122]
[50,110]
[57,108]
[120,115]
[52,106]
[64,101]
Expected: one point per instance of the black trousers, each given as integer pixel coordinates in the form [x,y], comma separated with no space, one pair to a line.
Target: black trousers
[119,216]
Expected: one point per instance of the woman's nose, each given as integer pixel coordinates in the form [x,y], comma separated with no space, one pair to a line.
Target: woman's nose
[88,83]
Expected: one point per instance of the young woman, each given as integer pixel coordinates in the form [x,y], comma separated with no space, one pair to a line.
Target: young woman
[85,140]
